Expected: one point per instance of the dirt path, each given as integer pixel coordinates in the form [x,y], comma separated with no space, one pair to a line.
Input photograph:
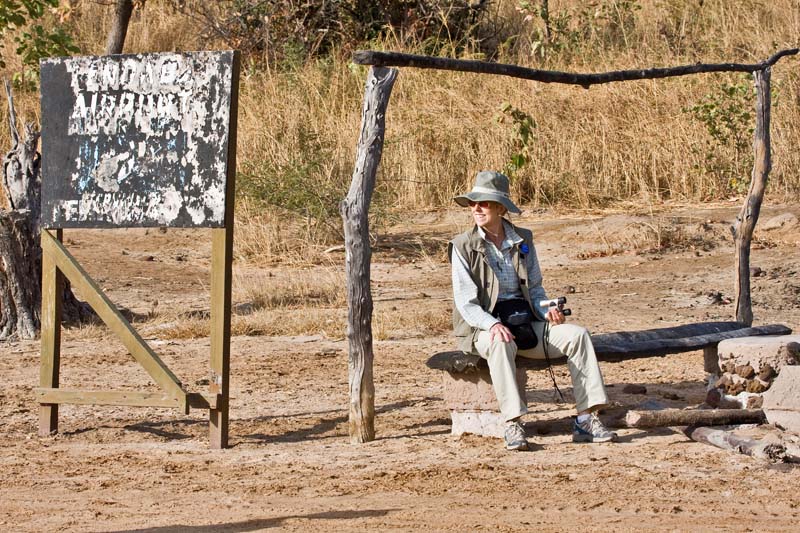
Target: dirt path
[291,467]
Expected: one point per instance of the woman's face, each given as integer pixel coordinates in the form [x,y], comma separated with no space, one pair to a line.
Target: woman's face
[487,214]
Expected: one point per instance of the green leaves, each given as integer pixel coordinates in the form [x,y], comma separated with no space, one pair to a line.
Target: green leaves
[523,127]
[728,119]
[13,13]
[727,116]
[38,43]
[34,42]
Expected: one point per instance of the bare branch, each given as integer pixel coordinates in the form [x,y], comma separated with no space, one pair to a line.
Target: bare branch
[395,59]
[12,116]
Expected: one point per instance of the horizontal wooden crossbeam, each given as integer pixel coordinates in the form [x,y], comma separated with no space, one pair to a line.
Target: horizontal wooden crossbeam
[86,397]
[396,59]
[130,398]
[204,400]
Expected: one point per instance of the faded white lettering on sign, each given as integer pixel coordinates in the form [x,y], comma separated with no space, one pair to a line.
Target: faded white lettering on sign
[146,139]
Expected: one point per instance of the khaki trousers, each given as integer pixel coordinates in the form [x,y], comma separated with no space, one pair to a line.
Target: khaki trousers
[564,340]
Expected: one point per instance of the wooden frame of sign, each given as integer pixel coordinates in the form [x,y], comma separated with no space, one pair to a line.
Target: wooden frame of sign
[137,141]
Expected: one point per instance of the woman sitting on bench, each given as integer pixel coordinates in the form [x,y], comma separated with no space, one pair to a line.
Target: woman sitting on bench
[497,287]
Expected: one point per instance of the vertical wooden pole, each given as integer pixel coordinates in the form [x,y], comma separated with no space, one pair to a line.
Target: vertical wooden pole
[52,298]
[711,360]
[221,256]
[355,215]
[748,216]
[221,275]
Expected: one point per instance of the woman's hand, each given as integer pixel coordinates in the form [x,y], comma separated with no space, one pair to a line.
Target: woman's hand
[499,330]
[555,316]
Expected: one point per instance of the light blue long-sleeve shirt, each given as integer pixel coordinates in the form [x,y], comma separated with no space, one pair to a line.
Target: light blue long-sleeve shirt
[465,292]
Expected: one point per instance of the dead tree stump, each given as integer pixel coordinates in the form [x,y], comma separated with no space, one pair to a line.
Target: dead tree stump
[20,251]
[20,275]
[20,255]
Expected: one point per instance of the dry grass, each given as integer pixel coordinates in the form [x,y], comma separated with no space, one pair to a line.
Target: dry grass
[293,302]
[330,323]
[656,234]
[289,303]
[316,287]
[418,320]
[271,235]
[597,148]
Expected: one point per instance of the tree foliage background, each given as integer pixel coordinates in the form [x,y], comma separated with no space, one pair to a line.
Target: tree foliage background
[634,144]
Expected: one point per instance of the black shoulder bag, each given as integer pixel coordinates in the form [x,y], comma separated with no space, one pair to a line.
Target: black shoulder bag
[517,316]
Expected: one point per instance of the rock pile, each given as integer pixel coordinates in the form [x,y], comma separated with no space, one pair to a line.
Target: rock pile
[750,364]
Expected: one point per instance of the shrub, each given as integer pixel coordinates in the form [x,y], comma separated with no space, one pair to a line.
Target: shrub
[288,33]
[34,42]
[728,118]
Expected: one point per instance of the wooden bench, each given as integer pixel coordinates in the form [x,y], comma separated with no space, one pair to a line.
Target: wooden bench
[467,386]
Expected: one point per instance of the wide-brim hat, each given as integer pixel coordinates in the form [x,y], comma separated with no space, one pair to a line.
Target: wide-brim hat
[489,186]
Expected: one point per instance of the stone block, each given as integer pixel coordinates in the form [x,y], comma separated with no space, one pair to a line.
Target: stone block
[782,400]
[486,423]
[473,391]
[757,352]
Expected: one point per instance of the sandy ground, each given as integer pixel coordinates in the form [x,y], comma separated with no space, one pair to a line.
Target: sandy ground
[291,466]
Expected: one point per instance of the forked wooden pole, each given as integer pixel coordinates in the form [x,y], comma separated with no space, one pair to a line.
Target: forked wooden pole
[748,216]
[52,298]
[355,214]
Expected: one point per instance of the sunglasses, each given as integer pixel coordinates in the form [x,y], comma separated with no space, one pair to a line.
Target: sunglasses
[483,204]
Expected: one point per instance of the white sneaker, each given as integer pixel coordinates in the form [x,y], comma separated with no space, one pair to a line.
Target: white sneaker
[515,436]
[592,430]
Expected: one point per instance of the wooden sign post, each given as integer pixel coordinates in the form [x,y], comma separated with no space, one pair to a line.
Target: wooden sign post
[137,141]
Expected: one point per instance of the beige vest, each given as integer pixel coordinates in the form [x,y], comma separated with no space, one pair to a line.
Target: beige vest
[473,249]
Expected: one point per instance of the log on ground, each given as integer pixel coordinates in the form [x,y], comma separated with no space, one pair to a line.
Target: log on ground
[728,440]
[693,417]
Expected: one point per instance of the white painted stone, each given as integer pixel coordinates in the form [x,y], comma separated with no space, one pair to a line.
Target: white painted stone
[782,400]
[473,391]
[485,423]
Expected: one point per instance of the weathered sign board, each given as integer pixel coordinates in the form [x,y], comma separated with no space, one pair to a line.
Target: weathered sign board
[136,140]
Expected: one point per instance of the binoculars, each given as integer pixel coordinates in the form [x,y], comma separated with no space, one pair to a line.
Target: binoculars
[556,302]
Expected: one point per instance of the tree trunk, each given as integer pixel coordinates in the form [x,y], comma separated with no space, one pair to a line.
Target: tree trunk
[748,217]
[729,441]
[20,255]
[20,273]
[20,251]
[116,37]
[355,214]
[698,417]
[544,12]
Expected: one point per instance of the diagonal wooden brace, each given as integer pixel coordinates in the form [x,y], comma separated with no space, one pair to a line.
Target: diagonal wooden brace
[117,323]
